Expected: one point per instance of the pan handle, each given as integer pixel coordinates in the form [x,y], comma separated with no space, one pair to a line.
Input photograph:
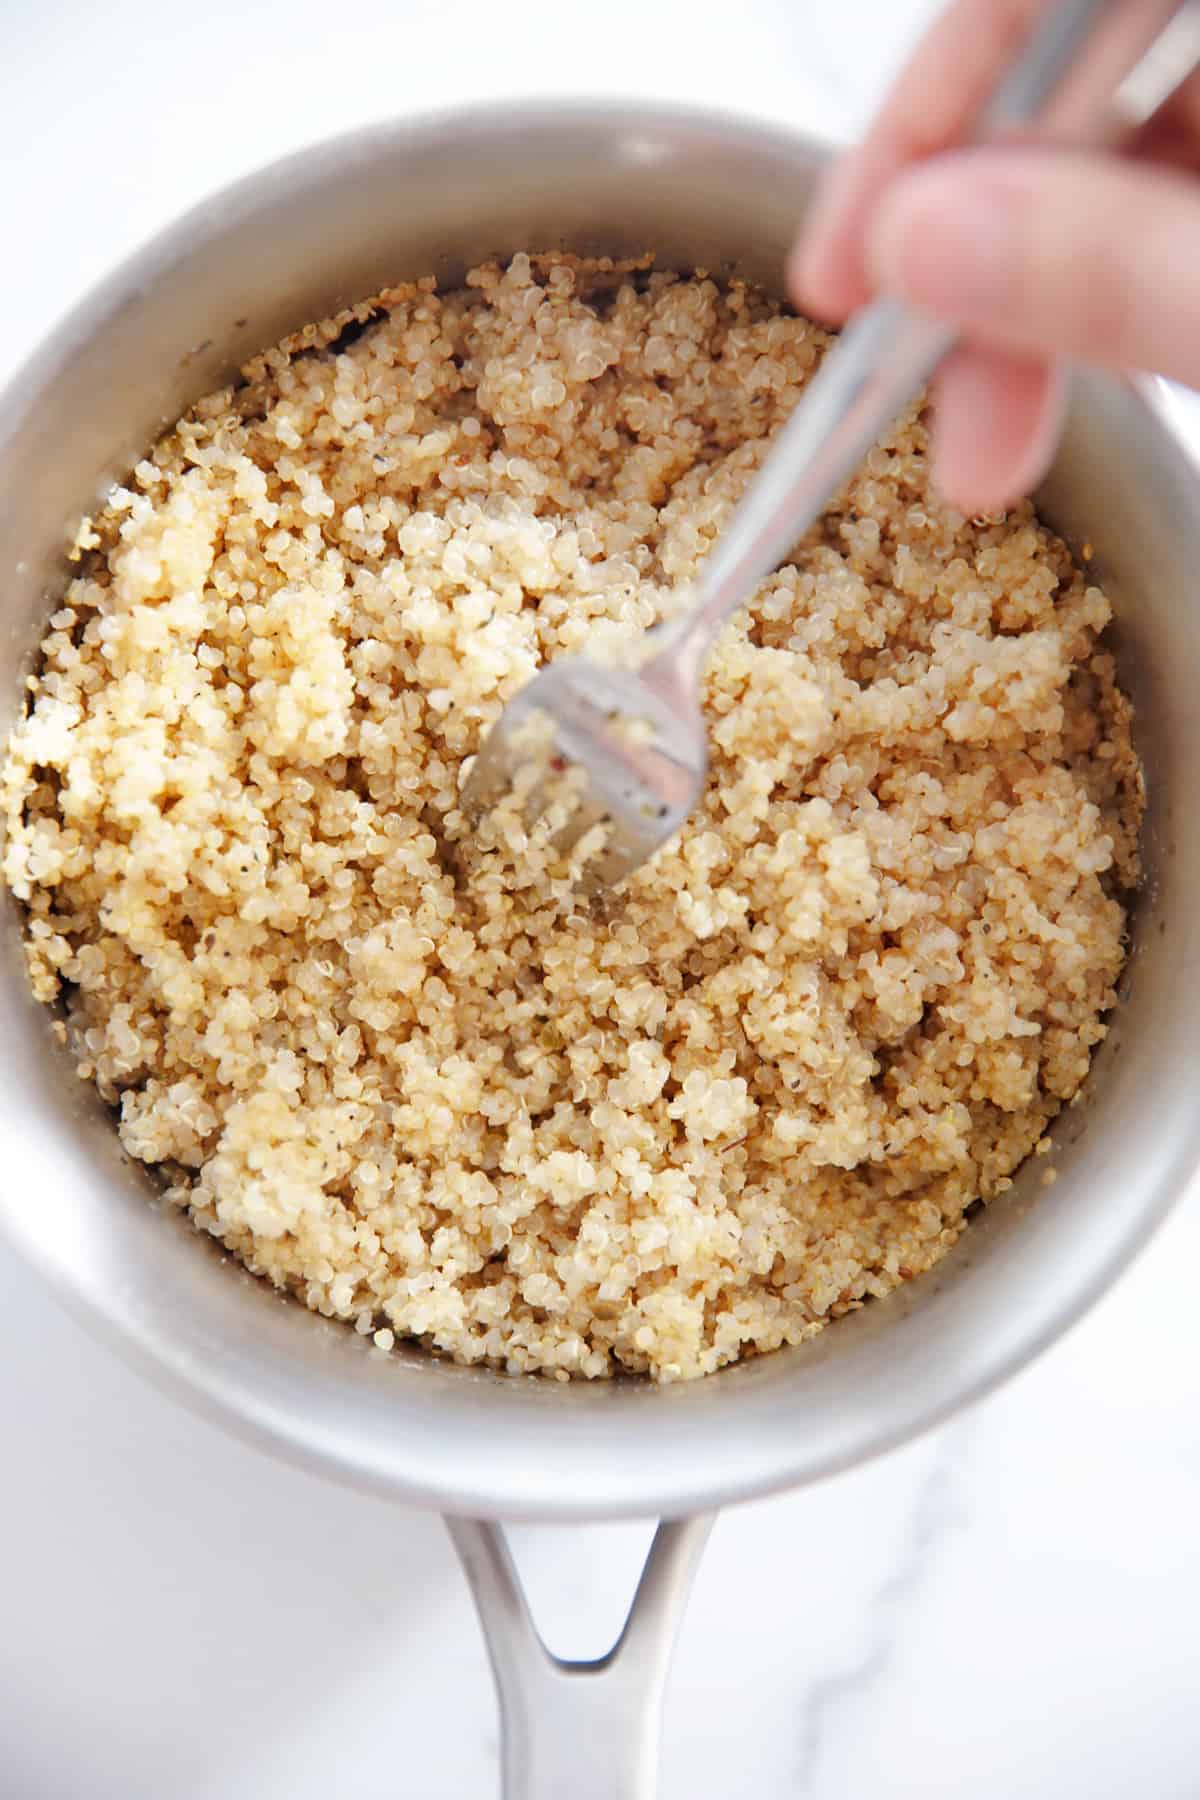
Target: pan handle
[585,1729]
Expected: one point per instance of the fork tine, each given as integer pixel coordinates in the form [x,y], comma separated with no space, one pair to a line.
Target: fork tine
[619,858]
[550,782]
[515,755]
[588,811]
[490,775]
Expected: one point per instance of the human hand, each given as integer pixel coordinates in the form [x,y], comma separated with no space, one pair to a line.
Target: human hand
[1036,254]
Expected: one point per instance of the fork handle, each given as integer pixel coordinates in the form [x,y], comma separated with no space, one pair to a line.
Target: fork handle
[888,352]
[881,362]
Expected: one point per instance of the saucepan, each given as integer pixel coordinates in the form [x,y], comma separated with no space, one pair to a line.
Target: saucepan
[291,244]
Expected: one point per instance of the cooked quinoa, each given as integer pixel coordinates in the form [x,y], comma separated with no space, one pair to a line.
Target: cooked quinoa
[405,1069]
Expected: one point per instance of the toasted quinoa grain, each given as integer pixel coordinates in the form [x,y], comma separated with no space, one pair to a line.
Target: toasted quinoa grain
[408,1073]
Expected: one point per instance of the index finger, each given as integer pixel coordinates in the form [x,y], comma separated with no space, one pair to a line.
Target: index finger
[936,97]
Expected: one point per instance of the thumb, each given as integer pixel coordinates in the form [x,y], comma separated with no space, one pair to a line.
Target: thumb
[1050,252]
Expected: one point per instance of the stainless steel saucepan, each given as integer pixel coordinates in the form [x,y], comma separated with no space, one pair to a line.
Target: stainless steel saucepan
[291,244]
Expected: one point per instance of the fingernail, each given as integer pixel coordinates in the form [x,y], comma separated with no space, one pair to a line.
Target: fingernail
[944,236]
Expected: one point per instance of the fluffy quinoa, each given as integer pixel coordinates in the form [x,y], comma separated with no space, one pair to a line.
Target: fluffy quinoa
[403,1068]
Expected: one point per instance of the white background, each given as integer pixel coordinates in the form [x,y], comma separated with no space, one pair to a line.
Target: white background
[1006,1611]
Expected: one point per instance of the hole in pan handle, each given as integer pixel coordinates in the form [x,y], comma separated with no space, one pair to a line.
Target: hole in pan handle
[585,1729]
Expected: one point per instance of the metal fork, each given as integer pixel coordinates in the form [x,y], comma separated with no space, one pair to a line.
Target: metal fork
[637,734]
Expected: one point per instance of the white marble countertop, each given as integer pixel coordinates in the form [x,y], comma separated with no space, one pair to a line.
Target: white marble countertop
[1007,1608]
